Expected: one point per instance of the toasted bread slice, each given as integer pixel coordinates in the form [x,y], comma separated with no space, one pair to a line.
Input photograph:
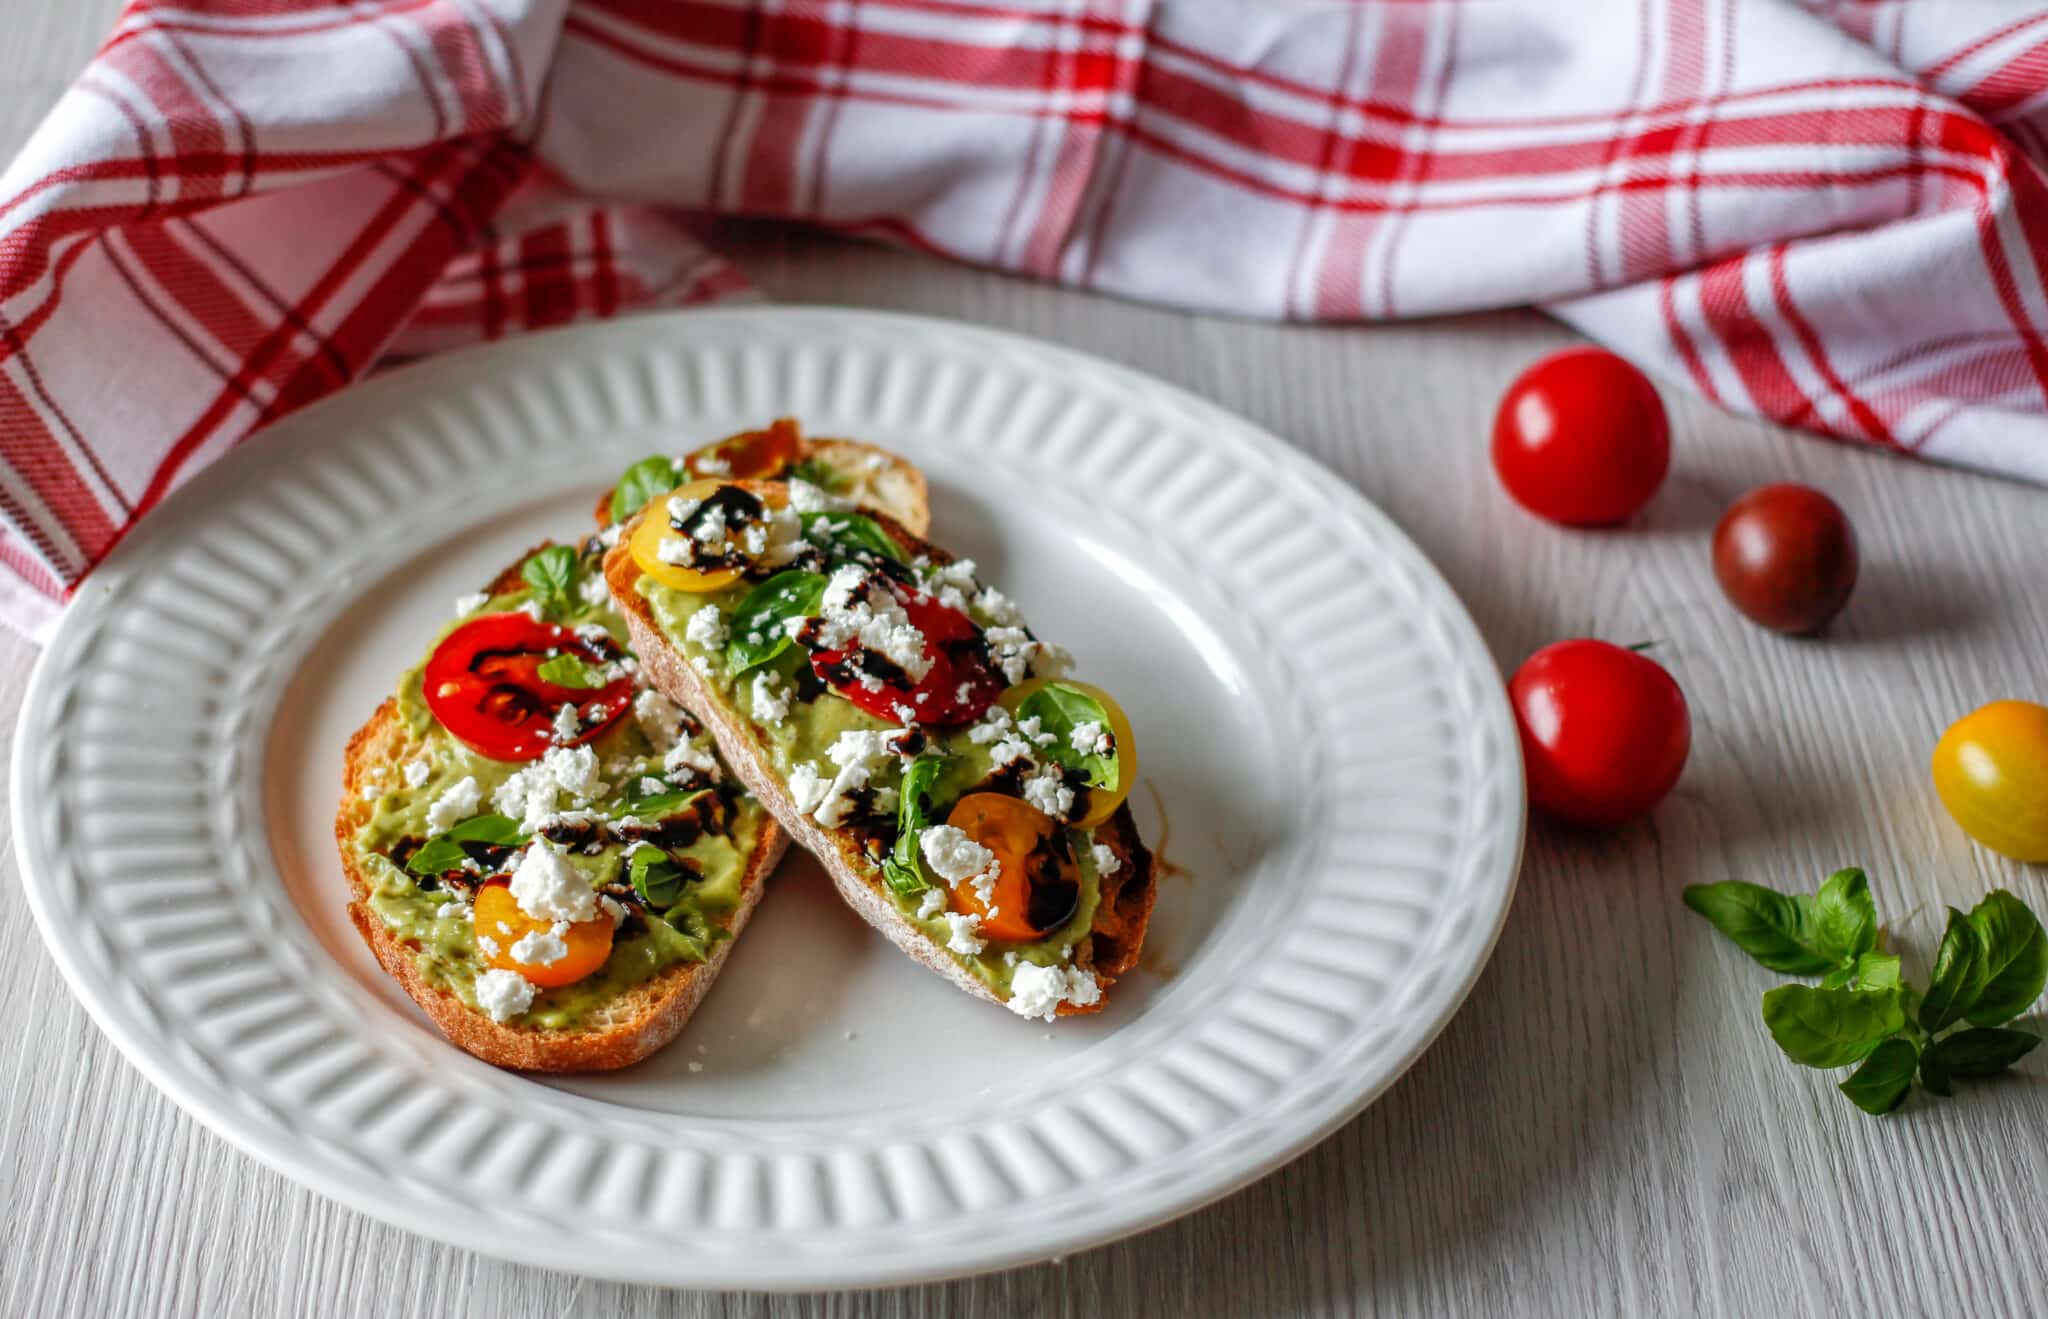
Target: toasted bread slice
[617,1033]
[871,477]
[1117,934]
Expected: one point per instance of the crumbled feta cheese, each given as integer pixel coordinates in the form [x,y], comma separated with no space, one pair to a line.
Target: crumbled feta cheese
[807,498]
[548,888]
[610,535]
[469,604]
[455,805]
[594,589]
[567,725]
[613,908]
[1031,730]
[707,628]
[1049,660]
[1049,792]
[1037,991]
[574,770]
[533,610]
[488,944]
[710,464]
[807,788]
[785,537]
[997,608]
[688,755]
[952,855]
[993,725]
[931,904]
[710,532]
[503,994]
[649,787]
[448,911]
[771,698]
[860,608]
[542,947]
[680,508]
[1107,862]
[677,551]
[416,772]
[963,927]
[370,792]
[1010,748]
[1092,739]
[658,717]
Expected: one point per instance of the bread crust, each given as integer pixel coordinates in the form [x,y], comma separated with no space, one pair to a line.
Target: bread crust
[1125,909]
[634,1025]
[889,484]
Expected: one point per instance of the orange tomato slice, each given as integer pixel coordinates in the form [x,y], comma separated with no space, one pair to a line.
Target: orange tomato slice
[749,455]
[499,919]
[1016,832]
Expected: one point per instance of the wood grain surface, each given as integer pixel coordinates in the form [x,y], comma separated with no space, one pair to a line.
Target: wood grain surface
[1604,1128]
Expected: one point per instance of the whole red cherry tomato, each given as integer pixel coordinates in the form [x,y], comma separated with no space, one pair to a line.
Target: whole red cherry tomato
[1581,438]
[1785,555]
[483,683]
[961,684]
[1604,730]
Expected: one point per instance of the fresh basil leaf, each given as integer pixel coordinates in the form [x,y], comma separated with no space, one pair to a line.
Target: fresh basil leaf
[904,866]
[552,575]
[655,877]
[570,671]
[1982,1051]
[444,852]
[660,805]
[1774,928]
[1060,708]
[2015,959]
[644,480]
[1870,971]
[848,535]
[1843,917]
[1882,1081]
[1959,974]
[826,478]
[1933,1075]
[1831,1027]
[757,625]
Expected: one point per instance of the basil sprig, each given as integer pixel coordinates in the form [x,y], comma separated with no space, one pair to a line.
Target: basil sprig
[551,573]
[904,866]
[656,877]
[1060,708]
[445,852]
[1990,967]
[644,480]
[849,536]
[658,805]
[570,671]
[757,628]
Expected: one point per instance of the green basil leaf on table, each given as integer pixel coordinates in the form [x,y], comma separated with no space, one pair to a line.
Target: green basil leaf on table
[1982,1050]
[655,877]
[1870,971]
[757,628]
[904,866]
[1959,974]
[2015,958]
[444,851]
[1882,1081]
[551,573]
[570,671]
[1933,1075]
[1831,1027]
[1772,927]
[1060,709]
[644,480]
[1843,916]
[847,535]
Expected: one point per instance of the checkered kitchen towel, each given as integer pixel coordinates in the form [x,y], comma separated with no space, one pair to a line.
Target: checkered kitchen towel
[1832,214]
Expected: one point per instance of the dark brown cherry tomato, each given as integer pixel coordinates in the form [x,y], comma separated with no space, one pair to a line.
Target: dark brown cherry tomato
[483,683]
[960,686]
[1786,556]
[1581,438]
[1605,731]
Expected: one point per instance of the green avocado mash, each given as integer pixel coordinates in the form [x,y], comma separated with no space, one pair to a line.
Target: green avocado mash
[446,948]
[810,727]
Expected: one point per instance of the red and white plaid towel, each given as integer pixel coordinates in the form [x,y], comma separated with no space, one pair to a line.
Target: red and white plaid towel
[1833,215]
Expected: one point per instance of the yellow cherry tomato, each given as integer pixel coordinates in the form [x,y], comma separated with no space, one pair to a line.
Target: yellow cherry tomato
[1103,800]
[654,529]
[1991,769]
[1014,831]
[499,919]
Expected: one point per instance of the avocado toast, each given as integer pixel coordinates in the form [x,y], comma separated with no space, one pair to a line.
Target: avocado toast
[546,854]
[905,726]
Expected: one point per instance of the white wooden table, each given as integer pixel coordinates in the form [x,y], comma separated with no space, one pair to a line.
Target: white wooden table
[1603,1128]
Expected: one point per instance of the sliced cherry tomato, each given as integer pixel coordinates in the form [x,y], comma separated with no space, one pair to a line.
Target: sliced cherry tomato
[1036,888]
[1991,769]
[749,455]
[1605,731]
[483,683]
[499,919]
[655,527]
[1581,438]
[960,686]
[1102,800]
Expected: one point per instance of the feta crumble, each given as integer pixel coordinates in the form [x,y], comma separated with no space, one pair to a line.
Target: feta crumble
[1048,791]
[455,805]
[931,904]
[962,929]
[503,994]
[659,717]
[466,605]
[952,855]
[567,725]
[542,947]
[771,698]
[548,888]
[1037,991]
[416,772]
[1107,862]
[707,628]
[1092,739]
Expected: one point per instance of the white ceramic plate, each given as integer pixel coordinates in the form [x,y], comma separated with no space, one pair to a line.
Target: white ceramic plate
[1331,777]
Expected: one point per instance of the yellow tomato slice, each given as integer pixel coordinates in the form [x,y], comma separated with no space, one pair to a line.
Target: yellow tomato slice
[1103,800]
[1991,769]
[654,528]
[499,919]
[1013,830]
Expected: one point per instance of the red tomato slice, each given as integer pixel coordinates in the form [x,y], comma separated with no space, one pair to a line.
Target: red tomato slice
[961,685]
[749,455]
[483,683]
